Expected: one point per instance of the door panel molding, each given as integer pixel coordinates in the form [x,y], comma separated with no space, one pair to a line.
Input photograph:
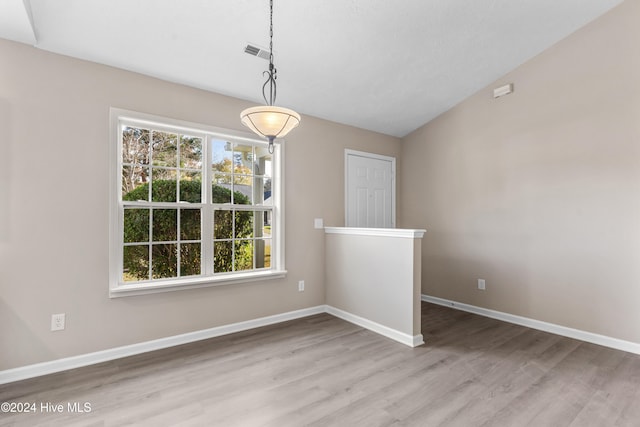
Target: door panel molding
[372,156]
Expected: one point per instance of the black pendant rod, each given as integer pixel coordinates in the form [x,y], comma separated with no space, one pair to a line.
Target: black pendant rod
[272,72]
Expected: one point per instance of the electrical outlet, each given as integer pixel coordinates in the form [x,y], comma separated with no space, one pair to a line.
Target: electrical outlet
[301,286]
[57,322]
[481,284]
[318,223]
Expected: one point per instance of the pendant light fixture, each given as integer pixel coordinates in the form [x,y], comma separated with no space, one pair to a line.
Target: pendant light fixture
[269,121]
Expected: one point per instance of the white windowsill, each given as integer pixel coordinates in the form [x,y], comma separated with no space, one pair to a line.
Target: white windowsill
[145,288]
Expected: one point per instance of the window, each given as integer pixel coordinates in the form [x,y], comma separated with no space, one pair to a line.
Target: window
[191,206]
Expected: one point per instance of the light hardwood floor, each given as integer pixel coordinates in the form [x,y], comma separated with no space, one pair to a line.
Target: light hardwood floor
[323,371]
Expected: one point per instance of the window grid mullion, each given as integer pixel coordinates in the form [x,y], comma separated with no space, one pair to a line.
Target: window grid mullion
[178,169]
[233,238]
[163,242]
[179,213]
[150,243]
[252,178]
[178,243]
[207,209]
[232,175]
[150,165]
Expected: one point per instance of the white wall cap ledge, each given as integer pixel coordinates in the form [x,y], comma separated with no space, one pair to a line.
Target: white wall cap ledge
[383,232]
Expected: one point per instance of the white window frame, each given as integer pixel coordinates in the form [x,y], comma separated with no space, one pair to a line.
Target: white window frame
[118,288]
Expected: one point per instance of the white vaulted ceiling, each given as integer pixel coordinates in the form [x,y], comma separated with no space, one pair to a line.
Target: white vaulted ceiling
[384,65]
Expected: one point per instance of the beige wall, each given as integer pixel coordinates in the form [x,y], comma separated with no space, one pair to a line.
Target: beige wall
[539,192]
[54,178]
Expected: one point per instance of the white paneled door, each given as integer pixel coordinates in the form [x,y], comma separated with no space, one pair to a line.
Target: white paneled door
[370,190]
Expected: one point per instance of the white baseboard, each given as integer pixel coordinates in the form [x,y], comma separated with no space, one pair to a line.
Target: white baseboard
[64,364]
[590,337]
[401,337]
[39,369]
[36,370]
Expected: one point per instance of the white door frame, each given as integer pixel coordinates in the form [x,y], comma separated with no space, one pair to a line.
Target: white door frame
[348,152]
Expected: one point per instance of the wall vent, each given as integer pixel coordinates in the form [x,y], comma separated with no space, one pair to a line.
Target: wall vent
[258,51]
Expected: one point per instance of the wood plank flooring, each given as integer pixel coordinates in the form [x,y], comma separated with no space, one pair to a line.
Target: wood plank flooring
[323,371]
